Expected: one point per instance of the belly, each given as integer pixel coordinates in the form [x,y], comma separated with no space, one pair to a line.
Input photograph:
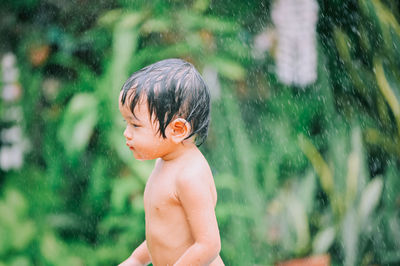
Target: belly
[167,256]
[167,248]
[168,236]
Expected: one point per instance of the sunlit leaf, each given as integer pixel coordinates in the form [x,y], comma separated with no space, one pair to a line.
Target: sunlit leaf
[20,261]
[306,191]
[193,21]
[78,123]
[228,68]
[201,5]
[324,240]
[159,24]
[51,248]
[391,95]
[370,11]
[370,197]
[9,217]
[386,16]
[319,164]
[24,234]
[110,17]
[343,45]
[350,237]
[359,75]
[129,21]
[298,217]
[16,201]
[122,190]
[356,172]
[380,139]
[125,39]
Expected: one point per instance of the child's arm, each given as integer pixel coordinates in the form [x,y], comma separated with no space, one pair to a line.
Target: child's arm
[140,256]
[197,201]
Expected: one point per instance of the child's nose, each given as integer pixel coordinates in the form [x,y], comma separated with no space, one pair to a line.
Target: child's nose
[127,134]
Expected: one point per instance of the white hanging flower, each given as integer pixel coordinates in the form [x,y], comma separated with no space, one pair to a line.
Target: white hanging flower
[10,75]
[14,144]
[11,92]
[296,55]
[11,135]
[11,157]
[8,61]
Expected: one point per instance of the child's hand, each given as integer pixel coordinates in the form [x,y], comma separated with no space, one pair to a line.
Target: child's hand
[131,262]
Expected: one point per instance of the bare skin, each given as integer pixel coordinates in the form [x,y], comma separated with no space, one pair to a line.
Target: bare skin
[179,198]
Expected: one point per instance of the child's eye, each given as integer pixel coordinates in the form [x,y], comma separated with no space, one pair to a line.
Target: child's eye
[134,125]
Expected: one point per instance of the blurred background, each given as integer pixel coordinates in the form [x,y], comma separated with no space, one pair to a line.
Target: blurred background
[304,143]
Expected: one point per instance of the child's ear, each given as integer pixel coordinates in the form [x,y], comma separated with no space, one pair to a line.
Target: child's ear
[179,130]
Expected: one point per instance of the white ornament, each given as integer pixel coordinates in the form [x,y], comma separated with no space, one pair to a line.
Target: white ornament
[296,56]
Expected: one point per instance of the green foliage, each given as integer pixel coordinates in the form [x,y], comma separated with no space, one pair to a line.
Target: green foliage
[17,230]
[80,117]
[299,171]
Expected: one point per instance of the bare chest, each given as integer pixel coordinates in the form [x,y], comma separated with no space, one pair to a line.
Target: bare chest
[160,195]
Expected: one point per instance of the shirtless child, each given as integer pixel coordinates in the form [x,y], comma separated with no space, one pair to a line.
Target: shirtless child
[166,107]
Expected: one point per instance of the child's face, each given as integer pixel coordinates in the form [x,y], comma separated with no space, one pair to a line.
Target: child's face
[141,134]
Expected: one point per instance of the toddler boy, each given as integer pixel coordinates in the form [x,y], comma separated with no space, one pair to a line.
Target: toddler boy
[166,107]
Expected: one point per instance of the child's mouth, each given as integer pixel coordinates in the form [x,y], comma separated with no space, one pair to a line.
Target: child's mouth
[129,146]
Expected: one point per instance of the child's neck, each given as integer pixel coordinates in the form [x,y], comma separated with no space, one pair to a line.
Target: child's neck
[180,150]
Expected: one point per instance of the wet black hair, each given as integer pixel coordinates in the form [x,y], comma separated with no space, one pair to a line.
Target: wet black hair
[173,88]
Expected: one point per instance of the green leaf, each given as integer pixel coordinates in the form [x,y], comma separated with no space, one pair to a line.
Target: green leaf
[324,240]
[78,124]
[356,172]
[392,96]
[299,219]
[51,248]
[201,5]
[350,237]
[319,164]
[123,189]
[125,40]
[110,17]
[192,21]
[370,198]
[5,239]
[306,191]
[23,234]
[20,261]
[228,68]
[16,201]
[160,24]
[129,21]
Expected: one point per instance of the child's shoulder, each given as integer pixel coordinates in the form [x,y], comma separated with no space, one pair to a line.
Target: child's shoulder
[195,183]
[197,161]
[195,167]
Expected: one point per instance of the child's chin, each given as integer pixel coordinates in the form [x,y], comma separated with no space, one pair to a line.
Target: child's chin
[139,158]
[142,157]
